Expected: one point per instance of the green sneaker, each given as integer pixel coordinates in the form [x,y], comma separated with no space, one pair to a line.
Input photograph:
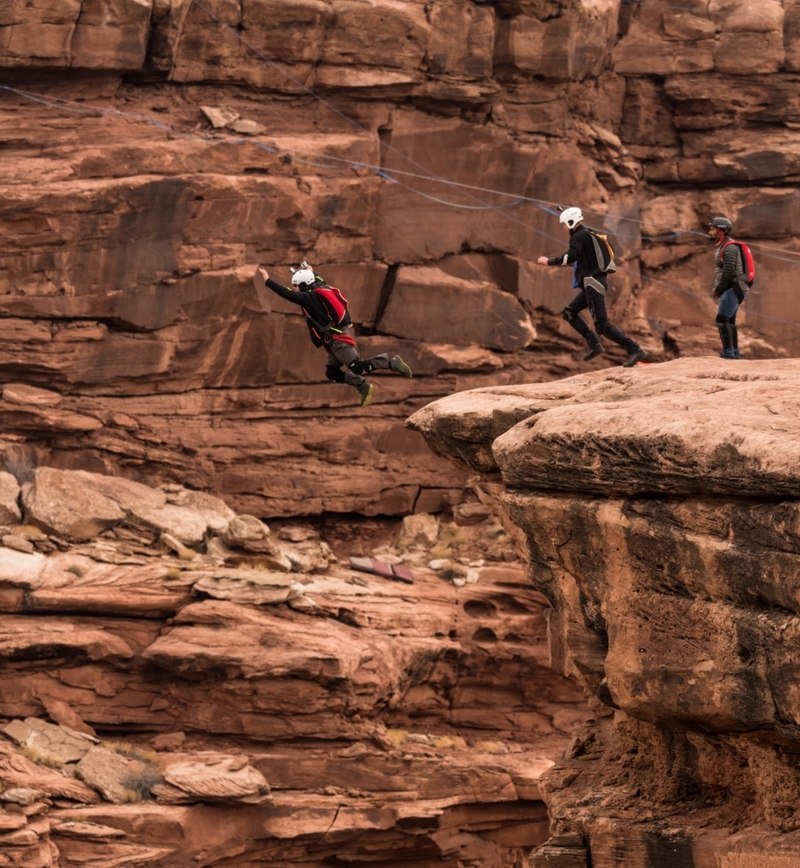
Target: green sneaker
[400,367]
[366,394]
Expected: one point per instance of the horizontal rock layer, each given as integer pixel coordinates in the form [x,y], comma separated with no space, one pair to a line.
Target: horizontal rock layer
[155,153]
[659,509]
[182,685]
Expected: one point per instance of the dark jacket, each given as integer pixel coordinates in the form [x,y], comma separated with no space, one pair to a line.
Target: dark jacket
[728,271]
[317,317]
[581,250]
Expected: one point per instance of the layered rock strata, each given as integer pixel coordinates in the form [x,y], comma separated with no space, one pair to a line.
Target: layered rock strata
[659,510]
[181,685]
[154,152]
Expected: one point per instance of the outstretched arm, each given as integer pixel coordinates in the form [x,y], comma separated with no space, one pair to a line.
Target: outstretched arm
[567,258]
[262,279]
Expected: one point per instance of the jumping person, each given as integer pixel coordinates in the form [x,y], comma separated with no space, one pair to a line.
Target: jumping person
[592,283]
[730,284]
[329,325]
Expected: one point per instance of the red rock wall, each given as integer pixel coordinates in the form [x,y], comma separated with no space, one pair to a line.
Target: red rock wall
[183,686]
[663,530]
[130,226]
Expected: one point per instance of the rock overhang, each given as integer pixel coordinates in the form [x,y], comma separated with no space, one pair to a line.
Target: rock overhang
[658,511]
[690,426]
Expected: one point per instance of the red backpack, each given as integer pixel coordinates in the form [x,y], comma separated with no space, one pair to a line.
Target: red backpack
[748,263]
[335,303]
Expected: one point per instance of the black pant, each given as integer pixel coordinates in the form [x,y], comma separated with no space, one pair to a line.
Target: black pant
[596,303]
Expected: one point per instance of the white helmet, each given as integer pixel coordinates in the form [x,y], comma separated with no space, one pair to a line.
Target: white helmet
[303,276]
[571,217]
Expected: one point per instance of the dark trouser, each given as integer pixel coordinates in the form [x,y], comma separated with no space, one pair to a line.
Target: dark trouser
[345,355]
[726,322]
[595,301]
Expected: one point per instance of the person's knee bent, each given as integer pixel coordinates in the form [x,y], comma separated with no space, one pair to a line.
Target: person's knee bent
[569,314]
[602,326]
[361,367]
[334,373]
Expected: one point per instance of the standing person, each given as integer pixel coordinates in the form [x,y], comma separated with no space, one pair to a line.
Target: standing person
[328,320]
[730,284]
[592,282]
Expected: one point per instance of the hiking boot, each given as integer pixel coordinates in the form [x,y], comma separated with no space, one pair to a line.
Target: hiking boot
[729,354]
[366,393]
[594,352]
[634,357]
[400,367]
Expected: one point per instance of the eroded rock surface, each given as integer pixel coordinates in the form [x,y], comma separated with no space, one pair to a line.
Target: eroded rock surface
[659,508]
[191,703]
[154,152]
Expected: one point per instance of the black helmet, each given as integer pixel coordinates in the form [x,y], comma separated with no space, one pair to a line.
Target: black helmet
[721,223]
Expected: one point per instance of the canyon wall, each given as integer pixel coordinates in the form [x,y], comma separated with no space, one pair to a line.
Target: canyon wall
[155,151]
[184,686]
[659,510]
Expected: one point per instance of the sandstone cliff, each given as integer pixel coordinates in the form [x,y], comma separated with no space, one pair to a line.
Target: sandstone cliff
[184,686]
[155,150]
[659,511]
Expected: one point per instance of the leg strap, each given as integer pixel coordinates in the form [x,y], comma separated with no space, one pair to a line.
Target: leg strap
[361,366]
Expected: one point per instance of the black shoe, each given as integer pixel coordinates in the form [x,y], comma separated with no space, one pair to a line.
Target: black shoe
[594,352]
[634,357]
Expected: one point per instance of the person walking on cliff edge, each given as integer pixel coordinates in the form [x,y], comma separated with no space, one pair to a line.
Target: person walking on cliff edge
[329,325]
[594,260]
[731,284]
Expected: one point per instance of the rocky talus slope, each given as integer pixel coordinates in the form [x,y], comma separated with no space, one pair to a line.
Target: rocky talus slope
[659,508]
[153,151]
[181,685]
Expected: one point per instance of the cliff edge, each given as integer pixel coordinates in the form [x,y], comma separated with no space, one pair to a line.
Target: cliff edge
[659,511]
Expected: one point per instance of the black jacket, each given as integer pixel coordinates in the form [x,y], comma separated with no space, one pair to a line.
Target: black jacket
[321,328]
[581,250]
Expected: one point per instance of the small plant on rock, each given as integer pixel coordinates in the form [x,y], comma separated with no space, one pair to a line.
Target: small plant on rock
[397,736]
[126,749]
[139,784]
[131,797]
[491,747]
[121,747]
[449,742]
[40,759]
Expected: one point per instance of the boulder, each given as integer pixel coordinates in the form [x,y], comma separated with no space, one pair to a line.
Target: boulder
[211,777]
[419,529]
[80,505]
[68,505]
[10,512]
[108,772]
[57,744]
